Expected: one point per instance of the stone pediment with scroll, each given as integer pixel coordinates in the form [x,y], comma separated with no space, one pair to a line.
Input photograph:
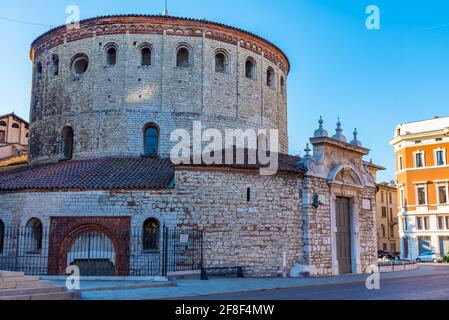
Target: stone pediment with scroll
[338,162]
[347,177]
[348,173]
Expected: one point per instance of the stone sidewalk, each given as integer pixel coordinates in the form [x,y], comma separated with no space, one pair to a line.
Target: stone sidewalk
[192,288]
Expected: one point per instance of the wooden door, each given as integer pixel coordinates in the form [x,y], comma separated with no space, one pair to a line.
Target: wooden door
[343,222]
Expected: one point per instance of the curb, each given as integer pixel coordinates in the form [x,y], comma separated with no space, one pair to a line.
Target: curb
[118,288]
[302,286]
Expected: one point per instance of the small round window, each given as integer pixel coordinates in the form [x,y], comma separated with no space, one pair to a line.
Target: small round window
[80,64]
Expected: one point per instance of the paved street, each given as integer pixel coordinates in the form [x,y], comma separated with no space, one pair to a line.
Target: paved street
[419,288]
[428,281]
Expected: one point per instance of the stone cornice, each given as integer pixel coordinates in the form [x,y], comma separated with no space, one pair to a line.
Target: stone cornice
[420,135]
[147,24]
[339,144]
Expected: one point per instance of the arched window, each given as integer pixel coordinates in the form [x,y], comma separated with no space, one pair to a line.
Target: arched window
[33,235]
[39,71]
[80,64]
[270,77]
[250,69]
[145,56]
[282,86]
[221,62]
[111,55]
[67,141]
[151,232]
[55,64]
[183,57]
[151,140]
[2,235]
[15,126]
[2,123]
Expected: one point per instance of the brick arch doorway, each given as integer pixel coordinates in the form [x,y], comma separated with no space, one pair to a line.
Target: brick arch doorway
[64,232]
[93,252]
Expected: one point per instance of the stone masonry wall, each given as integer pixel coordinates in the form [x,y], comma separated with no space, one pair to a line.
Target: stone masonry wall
[368,230]
[108,106]
[253,234]
[317,226]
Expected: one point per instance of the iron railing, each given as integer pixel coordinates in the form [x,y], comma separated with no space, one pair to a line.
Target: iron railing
[145,254]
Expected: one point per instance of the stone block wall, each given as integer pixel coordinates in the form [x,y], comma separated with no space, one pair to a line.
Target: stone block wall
[108,106]
[368,230]
[317,226]
[253,234]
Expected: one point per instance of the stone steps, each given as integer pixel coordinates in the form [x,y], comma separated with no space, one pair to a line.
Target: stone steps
[25,291]
[6,274]
[18,279]
[25,284]
[68,295]
[17,286]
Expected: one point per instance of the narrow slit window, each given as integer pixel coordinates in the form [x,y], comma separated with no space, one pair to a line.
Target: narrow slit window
[146,56]
[111,56]
[250,69]
[270,77]
[183,58]
[151,141]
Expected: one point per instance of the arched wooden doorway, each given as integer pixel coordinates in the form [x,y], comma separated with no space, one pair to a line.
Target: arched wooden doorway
[94,254]
[97,245]
[346,184]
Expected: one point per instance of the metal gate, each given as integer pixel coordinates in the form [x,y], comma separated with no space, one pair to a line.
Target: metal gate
[343,223]
[164,251]
[94,254]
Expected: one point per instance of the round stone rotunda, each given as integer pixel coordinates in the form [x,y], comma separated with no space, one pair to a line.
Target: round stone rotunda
[103,84]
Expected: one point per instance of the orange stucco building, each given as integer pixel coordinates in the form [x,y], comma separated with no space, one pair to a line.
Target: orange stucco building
[422,172]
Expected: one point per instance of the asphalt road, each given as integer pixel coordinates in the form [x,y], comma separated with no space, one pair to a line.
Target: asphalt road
[418,288]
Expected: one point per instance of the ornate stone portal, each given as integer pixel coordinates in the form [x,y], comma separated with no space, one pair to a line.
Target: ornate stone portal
[341,166]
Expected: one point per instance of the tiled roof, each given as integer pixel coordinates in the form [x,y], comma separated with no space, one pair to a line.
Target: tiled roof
[4,116]
[286,163]
[96,174]
[112,174]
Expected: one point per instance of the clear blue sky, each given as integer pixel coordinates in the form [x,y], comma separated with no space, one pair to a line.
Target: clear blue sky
[373,80]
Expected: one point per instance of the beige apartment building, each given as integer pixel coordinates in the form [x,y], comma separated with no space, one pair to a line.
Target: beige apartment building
[387,217]
[386,213]
[13,140]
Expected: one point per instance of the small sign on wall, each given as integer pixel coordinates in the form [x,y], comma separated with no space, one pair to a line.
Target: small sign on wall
[366,204]
[184,238]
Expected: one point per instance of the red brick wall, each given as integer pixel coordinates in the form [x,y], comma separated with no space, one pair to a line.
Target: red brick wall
[65,230]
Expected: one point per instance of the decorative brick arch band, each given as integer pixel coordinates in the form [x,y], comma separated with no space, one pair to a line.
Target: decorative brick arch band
[147,24]
[65,230]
